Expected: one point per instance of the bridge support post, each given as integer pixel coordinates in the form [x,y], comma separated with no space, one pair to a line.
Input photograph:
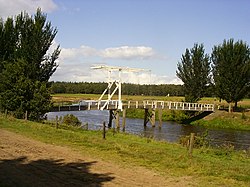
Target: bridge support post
[152,118]
[160,117]
[149,117]
[111,116]
[123,120]
[146,114]
[117,119]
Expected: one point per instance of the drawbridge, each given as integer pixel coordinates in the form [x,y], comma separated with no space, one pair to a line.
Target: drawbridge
[107,102]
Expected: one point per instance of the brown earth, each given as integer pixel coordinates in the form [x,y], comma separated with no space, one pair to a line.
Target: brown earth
[27,162]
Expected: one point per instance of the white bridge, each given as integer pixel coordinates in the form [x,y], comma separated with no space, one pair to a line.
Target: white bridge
[107,101]
[114,104]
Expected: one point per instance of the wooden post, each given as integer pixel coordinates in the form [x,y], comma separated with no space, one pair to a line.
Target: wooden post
[146,117]
[110,118]
[5,113]
[230,108]
[56,122]
[123,120]
[153,118]
[191,144]
[160,117]
[104,130]
[26,115]
[117,119]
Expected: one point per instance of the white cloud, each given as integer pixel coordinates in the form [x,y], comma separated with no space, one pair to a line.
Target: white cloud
[83,73]
[14,7]
[123,53]
[75,63]
[73,53]
[126,52]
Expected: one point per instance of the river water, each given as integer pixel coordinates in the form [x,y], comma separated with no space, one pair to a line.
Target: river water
[170,131]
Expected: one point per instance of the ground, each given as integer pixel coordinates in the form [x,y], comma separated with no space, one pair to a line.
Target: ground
[27,162]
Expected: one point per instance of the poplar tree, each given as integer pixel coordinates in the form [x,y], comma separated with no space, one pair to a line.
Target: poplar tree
[26,65]
[231,70]
[194,71]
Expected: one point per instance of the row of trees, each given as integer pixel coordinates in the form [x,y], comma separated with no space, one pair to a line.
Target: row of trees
[226,70]
[25,65]
[127,89]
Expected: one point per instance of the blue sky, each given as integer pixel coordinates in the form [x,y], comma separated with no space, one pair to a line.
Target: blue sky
[149,34]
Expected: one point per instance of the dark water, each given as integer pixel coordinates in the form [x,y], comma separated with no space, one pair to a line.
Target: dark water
[170,131]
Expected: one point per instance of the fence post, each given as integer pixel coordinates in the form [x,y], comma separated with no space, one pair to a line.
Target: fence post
[26,115]
[56,122]
[5,113]
[104,130]
[191,144]
[123,120]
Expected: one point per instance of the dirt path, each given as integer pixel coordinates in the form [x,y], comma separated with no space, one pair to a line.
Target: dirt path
[26,162]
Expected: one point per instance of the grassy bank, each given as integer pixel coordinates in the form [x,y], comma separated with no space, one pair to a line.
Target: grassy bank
[207,167]
[225,120]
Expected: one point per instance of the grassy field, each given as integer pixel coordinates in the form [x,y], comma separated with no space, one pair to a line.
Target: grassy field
[245,103]
[207,167]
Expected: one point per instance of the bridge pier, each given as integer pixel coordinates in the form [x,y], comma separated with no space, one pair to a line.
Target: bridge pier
[160,117]
[111,117]
[117,119]
[114,114]
[149,117]
[123,120]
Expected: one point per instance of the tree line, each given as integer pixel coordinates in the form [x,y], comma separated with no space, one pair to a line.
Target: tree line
[127,88]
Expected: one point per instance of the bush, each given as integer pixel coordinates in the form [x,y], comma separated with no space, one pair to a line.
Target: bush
[72,120]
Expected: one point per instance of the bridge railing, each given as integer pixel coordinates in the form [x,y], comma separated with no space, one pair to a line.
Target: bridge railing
[169,105]
[113,104]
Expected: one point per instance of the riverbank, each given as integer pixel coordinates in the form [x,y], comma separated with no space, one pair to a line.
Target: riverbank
[207,167]
[225,120]
[217,120]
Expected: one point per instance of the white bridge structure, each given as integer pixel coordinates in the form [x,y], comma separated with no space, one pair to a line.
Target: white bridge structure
[107,101]
[146,104]
[117,83]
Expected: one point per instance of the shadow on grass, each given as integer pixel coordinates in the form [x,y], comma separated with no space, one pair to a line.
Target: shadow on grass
[20,172]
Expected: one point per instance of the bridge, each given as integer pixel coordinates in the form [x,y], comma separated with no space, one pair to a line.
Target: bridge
[115,106]
[149,106]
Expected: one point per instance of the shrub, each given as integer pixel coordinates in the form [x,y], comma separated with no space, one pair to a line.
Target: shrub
[72,120]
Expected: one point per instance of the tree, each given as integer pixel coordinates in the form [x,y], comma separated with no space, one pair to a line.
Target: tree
[26,65]
[231,70]
[194,71]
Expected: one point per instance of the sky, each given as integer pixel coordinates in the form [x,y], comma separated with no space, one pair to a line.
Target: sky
[145,34]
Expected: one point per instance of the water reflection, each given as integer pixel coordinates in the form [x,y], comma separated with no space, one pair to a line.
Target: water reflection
[169,131]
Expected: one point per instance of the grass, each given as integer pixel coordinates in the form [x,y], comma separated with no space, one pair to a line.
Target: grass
[207,167]
[225,120]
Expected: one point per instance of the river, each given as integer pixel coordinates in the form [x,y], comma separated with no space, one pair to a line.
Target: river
[170,131]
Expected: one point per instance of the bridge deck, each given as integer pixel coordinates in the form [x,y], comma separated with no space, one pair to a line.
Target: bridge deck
[113,104]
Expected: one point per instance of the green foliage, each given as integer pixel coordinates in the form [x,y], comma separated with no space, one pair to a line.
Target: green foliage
[231,70]
[25,64]
[224,123]
[127,89]
[71,120]
[199,140]
[194,70]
